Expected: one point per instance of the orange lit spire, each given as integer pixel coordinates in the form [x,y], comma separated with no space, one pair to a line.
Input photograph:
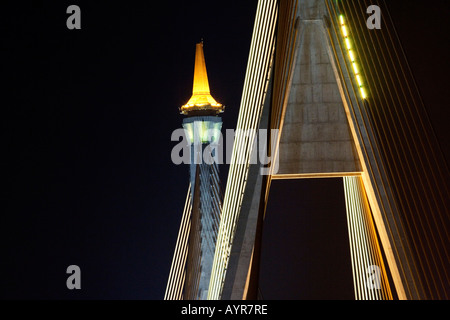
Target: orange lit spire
[201,98]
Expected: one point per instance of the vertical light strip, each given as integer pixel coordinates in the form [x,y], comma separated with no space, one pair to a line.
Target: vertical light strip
[254,92]
[175,284]
[364,248]
[349,210]
[352,56]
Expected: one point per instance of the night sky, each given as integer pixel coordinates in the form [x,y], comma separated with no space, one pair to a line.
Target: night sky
[86,120]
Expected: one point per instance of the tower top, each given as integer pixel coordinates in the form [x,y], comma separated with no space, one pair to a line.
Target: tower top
[201,100]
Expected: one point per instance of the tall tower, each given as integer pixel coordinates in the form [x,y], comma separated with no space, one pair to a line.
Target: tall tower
[194,253]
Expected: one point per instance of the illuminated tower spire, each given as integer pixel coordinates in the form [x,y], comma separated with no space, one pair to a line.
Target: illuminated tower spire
[190,273]
[201,99]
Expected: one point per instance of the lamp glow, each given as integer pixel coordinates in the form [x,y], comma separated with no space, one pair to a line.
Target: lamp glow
[347,43]
[355,68]
[359,80]
[345,31]
[363,93]
[351,55]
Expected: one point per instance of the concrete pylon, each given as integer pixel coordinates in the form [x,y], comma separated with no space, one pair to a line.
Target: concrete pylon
[345,105]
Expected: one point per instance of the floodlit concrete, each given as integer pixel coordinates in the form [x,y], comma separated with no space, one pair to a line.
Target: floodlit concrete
[315,135]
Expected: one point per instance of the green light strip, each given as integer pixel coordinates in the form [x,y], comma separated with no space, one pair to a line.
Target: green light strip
[352,56]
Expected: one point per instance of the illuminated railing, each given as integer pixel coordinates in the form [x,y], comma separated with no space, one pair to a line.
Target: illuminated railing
[352,56]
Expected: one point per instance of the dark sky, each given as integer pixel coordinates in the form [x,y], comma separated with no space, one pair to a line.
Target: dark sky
[305,253]
[86,119]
